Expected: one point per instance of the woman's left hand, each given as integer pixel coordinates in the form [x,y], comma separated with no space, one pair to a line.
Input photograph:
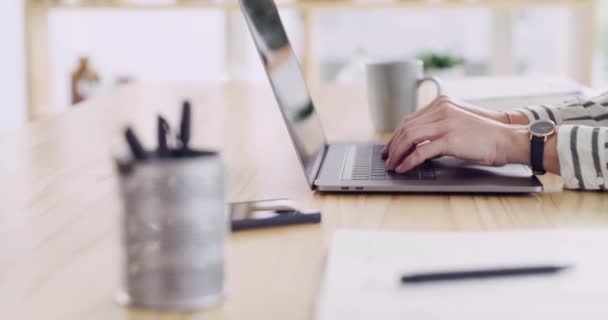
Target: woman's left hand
[445,129]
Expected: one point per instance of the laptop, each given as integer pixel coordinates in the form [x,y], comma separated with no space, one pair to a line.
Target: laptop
[357,167]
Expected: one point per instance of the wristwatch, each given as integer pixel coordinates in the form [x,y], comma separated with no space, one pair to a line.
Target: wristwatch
[540,131]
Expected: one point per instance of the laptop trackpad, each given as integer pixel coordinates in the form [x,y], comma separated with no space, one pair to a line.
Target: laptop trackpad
[452,168]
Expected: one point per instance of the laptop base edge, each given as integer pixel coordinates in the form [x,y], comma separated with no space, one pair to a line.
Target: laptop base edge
[453,176]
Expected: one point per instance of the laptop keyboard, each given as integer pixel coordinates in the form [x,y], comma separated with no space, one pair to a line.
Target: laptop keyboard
[369,165]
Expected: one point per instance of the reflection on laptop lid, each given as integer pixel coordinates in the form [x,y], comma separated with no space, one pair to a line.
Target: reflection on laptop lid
[288,84]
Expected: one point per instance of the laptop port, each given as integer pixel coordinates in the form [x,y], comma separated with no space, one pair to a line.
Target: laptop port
[344,188]
[358,188]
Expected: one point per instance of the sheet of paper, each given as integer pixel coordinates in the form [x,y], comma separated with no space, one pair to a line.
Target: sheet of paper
[510,86]
[516,102]
[362,279]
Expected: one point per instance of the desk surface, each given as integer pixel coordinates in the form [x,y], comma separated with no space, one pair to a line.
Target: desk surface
[59,252]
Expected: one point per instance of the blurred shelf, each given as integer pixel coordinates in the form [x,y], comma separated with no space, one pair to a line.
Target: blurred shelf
[133,5]
[317,4]
[350,4]
[38,41]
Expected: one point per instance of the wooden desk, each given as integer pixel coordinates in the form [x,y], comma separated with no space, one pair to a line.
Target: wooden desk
[59,249]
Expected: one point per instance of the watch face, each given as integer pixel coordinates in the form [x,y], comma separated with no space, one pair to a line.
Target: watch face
[542,128]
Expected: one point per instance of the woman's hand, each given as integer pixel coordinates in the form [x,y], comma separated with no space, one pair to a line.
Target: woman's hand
[512,117]
[446,128]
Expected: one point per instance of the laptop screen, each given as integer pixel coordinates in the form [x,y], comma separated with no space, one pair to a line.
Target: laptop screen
[288,84]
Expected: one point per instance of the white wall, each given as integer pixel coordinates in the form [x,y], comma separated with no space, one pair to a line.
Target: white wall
[169,46]
[601,67]
[13,106]
[403,33]
[179,45]
[189,45]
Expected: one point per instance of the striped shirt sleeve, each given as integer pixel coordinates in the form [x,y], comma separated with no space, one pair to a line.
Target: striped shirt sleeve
[582,140]
[583,156]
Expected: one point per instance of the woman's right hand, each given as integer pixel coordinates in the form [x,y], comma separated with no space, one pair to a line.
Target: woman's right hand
[438,103]
[446,129]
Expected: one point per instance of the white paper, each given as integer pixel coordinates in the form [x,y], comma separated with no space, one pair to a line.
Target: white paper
[362,278]
[510,86]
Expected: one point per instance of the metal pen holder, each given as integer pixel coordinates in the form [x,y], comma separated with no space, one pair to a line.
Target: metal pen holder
[174,228]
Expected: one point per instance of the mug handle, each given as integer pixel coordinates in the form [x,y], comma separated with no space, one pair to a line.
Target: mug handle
[434,80]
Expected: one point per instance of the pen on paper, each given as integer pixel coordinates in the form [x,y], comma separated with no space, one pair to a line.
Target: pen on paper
[483,273]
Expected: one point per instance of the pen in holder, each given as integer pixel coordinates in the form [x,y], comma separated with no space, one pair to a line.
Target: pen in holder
[174,226]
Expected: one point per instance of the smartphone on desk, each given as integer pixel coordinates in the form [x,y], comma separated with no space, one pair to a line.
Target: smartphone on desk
[269,213]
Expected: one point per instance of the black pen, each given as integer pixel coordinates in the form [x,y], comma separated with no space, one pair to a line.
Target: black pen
[136,148]
[483,273]
[163,129]
[184,133]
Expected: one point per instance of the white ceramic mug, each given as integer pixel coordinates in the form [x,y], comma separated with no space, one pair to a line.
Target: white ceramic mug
[392,89]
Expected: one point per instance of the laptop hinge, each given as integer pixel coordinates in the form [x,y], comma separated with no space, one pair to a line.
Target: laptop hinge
[313,186]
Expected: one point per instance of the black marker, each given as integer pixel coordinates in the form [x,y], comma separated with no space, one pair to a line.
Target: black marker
[482,274]
[184,133]
[136,148]
[163,129]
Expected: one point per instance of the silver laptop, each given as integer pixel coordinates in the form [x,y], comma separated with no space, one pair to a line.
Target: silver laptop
[357,167]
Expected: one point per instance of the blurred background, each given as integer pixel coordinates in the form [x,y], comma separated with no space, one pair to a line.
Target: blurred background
[56,53]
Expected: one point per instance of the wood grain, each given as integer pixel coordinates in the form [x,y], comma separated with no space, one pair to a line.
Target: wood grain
[59,250]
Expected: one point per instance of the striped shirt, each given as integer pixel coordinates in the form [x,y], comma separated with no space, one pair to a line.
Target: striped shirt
[582,140]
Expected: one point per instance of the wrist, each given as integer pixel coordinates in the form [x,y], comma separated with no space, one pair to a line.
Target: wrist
[518,145]
[510,117]
[551,159]
[518,118]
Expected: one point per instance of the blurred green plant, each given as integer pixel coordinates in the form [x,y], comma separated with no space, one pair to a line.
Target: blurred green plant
[437,61]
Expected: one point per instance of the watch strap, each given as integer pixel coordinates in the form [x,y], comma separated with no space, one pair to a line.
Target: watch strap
[537,150]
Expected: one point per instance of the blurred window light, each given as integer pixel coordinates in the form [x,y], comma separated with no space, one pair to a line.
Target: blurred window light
[176,45]
[12,64]
[190,45]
